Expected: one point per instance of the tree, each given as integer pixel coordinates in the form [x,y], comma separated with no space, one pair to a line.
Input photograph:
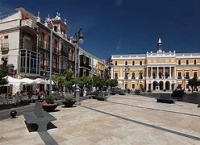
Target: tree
[3,73]
[113,83]
[193,83]
[58,80]
[98,82]
[68,79]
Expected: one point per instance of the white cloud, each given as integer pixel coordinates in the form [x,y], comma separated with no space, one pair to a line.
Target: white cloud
[118,3]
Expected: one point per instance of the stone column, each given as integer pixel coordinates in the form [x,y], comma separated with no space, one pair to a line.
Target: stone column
[170,72]
[157,73]
[147,73]
[164,72]
[147,86]
[164,85]
[151,72]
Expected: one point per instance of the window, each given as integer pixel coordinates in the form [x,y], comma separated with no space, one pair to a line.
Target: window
[195,62]
[126,63]
[133,62]
[133,86]
[195,74]
[187,75]
[126,86]
[133,75]
[186,61]
[6,37]
[140,62]
[126,75]
[115,62]
[55,28]
[116,76]
[179,75]
[179,62]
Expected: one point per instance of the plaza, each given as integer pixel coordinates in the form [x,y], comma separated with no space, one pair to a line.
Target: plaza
[121,120]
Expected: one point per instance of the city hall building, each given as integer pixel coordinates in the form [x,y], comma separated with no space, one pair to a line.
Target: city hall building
[155,70]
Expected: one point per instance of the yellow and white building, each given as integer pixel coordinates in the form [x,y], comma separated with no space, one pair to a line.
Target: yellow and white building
[155,71]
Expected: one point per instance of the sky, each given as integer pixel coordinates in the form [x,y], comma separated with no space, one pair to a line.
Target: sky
[123,26]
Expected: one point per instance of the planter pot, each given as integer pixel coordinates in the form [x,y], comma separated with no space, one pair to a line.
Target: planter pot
[69,103]
[50,107]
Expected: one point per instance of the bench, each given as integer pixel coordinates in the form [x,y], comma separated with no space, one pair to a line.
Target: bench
[165,98]
[39,117]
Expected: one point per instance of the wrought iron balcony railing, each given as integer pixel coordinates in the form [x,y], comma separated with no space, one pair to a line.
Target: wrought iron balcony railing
[4,47]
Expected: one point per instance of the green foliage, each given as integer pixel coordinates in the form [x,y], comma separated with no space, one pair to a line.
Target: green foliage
[85,80]
[99,82]
[49,99]
[68,78]
[112,82]
[194,82]
[69,97]
[3,73]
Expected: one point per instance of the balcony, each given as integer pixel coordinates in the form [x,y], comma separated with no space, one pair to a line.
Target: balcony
[179,77]
[30,23]
[43,45]
[4,47]
[64,53]
[85,65]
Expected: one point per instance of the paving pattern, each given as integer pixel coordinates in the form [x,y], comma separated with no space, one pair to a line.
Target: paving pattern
[122,120]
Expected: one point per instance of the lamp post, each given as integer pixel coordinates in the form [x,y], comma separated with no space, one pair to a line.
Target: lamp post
[126,76]
[77,41]
[51,57]
[140,77]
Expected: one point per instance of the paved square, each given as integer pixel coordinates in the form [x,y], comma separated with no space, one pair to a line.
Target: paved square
[122,120]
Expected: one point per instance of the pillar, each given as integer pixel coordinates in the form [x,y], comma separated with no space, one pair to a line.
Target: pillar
[151,72]
[170,73]
[164,72]
[157,73]
[147,73]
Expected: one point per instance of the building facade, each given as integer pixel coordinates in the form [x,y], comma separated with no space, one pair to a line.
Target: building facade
[155,70]
[25,43]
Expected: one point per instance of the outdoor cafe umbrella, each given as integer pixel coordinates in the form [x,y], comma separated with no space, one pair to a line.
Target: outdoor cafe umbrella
[39,81]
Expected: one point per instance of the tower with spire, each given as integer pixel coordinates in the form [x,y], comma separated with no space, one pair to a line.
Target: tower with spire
[159,45]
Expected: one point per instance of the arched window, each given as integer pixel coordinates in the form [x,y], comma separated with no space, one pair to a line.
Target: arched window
[195,62]
[133,62]
[179,62]
[115,62]
[126,63]
[140,62]
[186,61]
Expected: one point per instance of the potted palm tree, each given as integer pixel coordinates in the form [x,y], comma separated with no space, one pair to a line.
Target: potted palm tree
[48,104]
[69,100]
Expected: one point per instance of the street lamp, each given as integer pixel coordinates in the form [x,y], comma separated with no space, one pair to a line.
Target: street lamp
[127,69]
[140,77]
[51,57]
[77,41]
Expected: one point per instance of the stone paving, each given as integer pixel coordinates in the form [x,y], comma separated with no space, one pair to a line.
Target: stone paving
[122,120]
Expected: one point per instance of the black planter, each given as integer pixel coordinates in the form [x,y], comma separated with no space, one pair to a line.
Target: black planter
[69,103]
[49,108]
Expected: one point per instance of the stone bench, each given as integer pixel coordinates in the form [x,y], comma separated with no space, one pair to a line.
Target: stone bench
[39,117]
[165,98]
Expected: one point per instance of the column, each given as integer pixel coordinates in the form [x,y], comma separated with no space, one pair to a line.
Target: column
[164,72]
[151,72]
[147,86]
[164,85]
[157,73]
[170,73]
[151,86]
[147,76]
